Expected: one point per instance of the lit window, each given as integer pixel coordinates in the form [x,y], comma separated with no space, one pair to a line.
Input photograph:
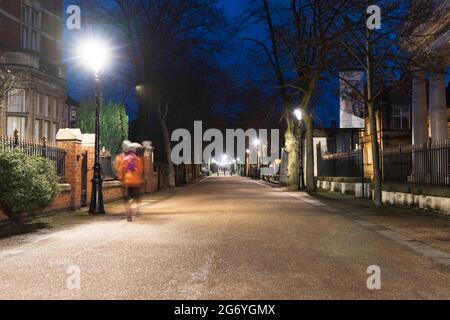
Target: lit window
[52,137]
[16,101]
[46,106]
[55,108]
[38,104]
[13,123]
[37,129]
[46,129]
[401,118]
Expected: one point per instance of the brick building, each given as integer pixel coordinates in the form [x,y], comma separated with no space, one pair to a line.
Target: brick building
[30,46]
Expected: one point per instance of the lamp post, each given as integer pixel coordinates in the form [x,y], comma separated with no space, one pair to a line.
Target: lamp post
[257,143]
[247,160]
[301,182]
[95,54]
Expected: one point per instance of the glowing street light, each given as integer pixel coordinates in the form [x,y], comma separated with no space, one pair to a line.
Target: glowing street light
[256,142]
[301,183]
[95,54]
[298,114]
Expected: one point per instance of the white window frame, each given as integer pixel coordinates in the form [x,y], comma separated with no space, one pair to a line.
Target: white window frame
[404,112]
[27,30]
[22,130]
[16,96]
[46,110]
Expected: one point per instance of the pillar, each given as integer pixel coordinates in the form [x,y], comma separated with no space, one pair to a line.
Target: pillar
[70,139]
[438,107]
[88,145]
[419,109]
[151,178]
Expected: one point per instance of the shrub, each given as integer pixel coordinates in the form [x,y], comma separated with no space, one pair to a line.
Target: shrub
[27,183]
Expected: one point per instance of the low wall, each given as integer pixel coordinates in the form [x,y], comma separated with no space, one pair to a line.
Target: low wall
[428,198]
[62,201]
[112,190]
[349,186]
[77,147]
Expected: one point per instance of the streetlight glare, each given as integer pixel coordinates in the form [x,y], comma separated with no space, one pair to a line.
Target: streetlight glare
[298,114]
[256,142]
[95,54]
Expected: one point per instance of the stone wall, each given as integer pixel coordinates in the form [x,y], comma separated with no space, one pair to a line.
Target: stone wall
[421,197]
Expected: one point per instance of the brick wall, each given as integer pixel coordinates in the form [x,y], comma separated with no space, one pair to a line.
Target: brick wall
[69,197]
[73,169]
[112,190]
[150,176]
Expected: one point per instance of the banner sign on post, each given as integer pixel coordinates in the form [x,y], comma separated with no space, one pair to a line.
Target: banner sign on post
[351,105]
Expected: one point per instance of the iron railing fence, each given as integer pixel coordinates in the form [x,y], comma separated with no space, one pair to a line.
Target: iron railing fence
[427,164]
[38,148]
[348,164]
[108,172]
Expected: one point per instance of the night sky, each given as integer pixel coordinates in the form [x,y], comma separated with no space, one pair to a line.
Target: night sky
[80,80]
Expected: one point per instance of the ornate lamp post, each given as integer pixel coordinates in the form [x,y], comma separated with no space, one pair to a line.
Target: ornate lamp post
[95,55]
[301,182]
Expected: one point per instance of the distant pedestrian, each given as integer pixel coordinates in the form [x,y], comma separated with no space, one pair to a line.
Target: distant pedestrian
[129,167]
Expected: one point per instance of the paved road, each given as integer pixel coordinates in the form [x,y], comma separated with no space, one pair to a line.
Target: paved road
[223,238]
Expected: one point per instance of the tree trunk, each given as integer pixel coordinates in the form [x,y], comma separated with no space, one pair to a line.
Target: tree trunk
[373,126]
[309,148]
[167,144]
[375,156]
[291,147]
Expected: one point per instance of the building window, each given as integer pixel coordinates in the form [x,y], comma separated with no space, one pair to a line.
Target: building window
[401,118]
[37,129]
[16,101]
[46,129]
[30,28]
[46,106]
[38,104]
[53,132]
[55,109]
[13,123]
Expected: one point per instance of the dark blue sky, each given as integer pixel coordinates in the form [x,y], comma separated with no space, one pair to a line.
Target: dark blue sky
[80,80]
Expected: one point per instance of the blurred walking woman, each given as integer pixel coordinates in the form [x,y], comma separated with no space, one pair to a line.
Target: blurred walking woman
[129,169]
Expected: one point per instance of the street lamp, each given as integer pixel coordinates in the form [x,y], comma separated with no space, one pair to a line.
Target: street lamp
[95,54]
[247,162]
[257,143]
[301,182]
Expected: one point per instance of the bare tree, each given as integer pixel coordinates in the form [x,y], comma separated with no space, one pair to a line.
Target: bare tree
[162,115]
[380,55]
[301,36]
[157,37]
[7,81]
